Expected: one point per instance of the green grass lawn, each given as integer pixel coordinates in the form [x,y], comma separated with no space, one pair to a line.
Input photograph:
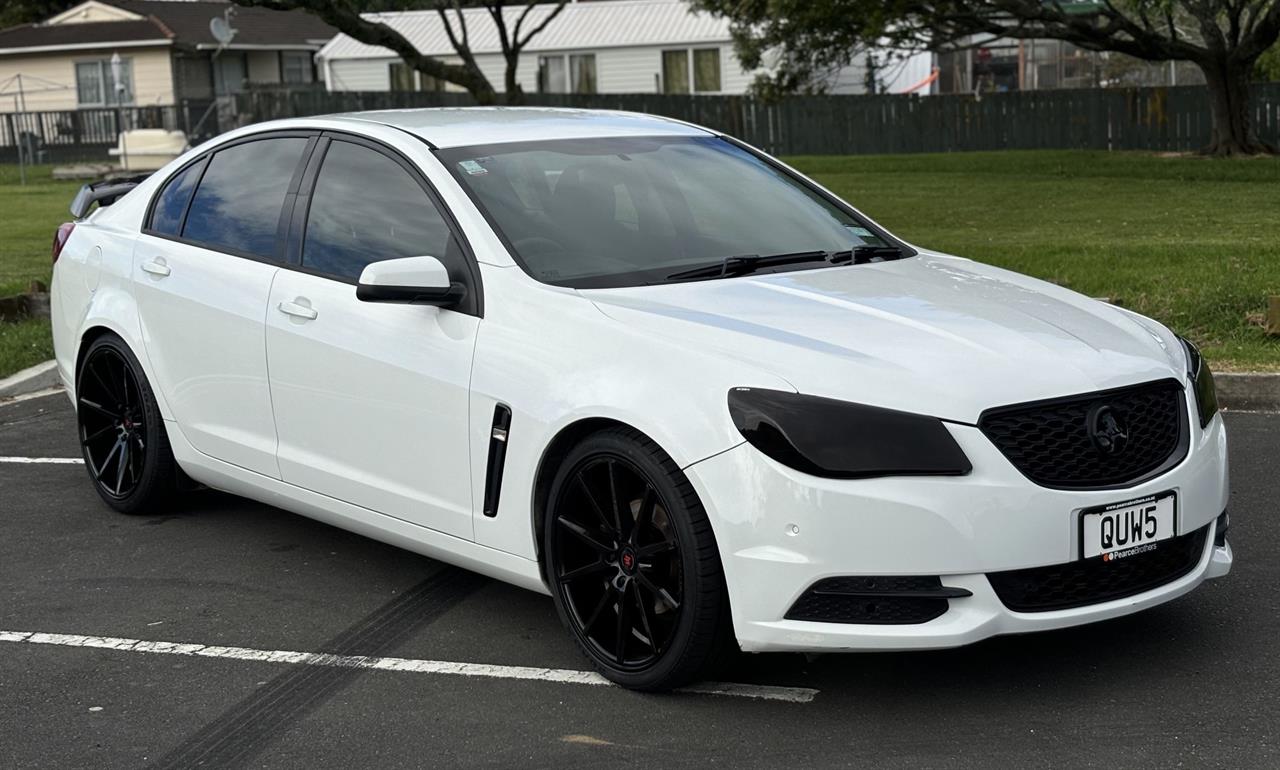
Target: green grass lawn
[28,217]
[1194,243]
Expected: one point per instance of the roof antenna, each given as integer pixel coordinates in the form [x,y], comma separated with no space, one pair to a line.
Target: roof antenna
[221,29]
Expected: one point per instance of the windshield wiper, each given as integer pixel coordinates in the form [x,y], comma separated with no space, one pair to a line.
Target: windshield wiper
[746,263]
[862,255]
[742,264]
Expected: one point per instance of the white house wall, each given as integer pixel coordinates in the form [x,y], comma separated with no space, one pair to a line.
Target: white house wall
[618,70]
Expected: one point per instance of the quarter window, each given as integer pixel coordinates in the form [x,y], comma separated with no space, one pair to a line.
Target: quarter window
[237,205]
[366,208]
[166,219]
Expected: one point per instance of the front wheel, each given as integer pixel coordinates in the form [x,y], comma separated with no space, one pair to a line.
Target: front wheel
[633,564]
[122,433]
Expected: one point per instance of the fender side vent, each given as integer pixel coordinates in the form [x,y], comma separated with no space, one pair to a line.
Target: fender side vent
[497,457]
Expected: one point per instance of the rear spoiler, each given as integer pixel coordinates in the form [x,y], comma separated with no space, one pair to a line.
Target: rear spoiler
[102,193]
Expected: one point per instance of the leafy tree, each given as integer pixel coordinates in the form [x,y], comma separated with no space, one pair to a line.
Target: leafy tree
[514,33]
[1224,38]
[1269,64]
[15,12]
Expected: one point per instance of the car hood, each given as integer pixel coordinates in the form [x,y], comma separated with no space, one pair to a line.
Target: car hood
[932,334]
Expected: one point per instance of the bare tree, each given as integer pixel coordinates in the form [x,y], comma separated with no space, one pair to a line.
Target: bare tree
[529,21]
[1224,38]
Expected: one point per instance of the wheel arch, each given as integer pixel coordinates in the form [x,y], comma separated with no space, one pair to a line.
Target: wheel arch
[100,324]
[549,464]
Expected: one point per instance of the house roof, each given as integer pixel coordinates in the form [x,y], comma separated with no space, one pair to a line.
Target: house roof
[183,22]
[579,26]
[29,36]
[189,21]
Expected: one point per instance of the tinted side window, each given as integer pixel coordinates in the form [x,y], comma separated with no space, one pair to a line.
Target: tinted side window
[237,205]
[166,219]
[367,208]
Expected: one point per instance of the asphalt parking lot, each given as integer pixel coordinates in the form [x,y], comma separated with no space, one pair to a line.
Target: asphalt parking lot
[428,665]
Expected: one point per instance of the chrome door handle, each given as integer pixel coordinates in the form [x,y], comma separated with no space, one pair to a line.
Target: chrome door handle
[156,267]
[297,310]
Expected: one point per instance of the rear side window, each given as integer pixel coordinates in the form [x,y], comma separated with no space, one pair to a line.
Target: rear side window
[237,205]
[166,219]
[367,208]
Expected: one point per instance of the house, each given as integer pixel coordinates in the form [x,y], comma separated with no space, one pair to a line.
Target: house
[109,53]
[626,46]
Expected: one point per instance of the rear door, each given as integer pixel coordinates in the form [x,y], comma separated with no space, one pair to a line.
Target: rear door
[202,274]
[371,399]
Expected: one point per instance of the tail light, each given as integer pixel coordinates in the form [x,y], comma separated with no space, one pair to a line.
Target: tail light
[61,237]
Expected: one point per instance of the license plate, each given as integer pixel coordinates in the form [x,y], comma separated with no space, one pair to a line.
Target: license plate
[1129,528]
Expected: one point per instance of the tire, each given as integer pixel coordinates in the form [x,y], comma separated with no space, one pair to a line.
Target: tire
[625,539]
[122,434]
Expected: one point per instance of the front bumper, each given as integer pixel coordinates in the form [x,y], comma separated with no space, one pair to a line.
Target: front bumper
[780,531]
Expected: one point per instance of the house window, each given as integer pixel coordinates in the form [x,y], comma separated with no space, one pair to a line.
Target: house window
[295,67]
[706,69]
[230,72]
[582,69]
[401,76]
[96,86]
[552,76]
[679,78]
[675,72]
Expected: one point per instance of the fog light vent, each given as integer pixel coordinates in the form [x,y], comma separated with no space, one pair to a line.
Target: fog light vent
[881,600]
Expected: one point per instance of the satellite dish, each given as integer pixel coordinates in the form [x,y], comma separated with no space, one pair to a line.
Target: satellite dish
[221,29]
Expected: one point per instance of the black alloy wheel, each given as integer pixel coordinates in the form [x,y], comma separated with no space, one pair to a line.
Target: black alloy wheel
[122,435]
[632,563]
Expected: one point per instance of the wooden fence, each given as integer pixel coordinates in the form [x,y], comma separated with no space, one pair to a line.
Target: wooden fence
[1153,119]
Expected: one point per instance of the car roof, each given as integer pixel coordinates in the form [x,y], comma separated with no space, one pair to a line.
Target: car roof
[465,126]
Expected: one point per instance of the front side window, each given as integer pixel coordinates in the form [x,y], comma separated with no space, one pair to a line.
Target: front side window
[99,83]
[237,206]
[166,218]
[366,208]
[631,211]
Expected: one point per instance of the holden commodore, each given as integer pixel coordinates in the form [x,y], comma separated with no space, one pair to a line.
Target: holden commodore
[639,366]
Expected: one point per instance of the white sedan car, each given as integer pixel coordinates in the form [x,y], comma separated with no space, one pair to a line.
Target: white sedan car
[632,363]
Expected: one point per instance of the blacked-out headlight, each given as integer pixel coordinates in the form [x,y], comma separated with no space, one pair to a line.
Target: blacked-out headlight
[840,440]
[1201,382]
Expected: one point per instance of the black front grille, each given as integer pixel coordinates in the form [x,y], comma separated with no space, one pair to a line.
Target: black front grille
[1093,581]
[882,600]
[1051,444]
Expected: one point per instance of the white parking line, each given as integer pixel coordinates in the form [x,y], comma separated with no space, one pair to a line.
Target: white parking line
[409,665]
[43,460]
[29,396]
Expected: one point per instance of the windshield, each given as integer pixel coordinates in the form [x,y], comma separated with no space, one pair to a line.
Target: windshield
[637,210]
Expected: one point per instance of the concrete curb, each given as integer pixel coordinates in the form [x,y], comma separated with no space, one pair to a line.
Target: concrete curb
[1248,391]
[39,377]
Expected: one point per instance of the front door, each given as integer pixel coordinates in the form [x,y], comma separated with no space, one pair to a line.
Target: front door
[371,399]
[202,274]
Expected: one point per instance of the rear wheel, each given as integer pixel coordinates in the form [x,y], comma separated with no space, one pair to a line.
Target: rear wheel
[122,435]
[633,564]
